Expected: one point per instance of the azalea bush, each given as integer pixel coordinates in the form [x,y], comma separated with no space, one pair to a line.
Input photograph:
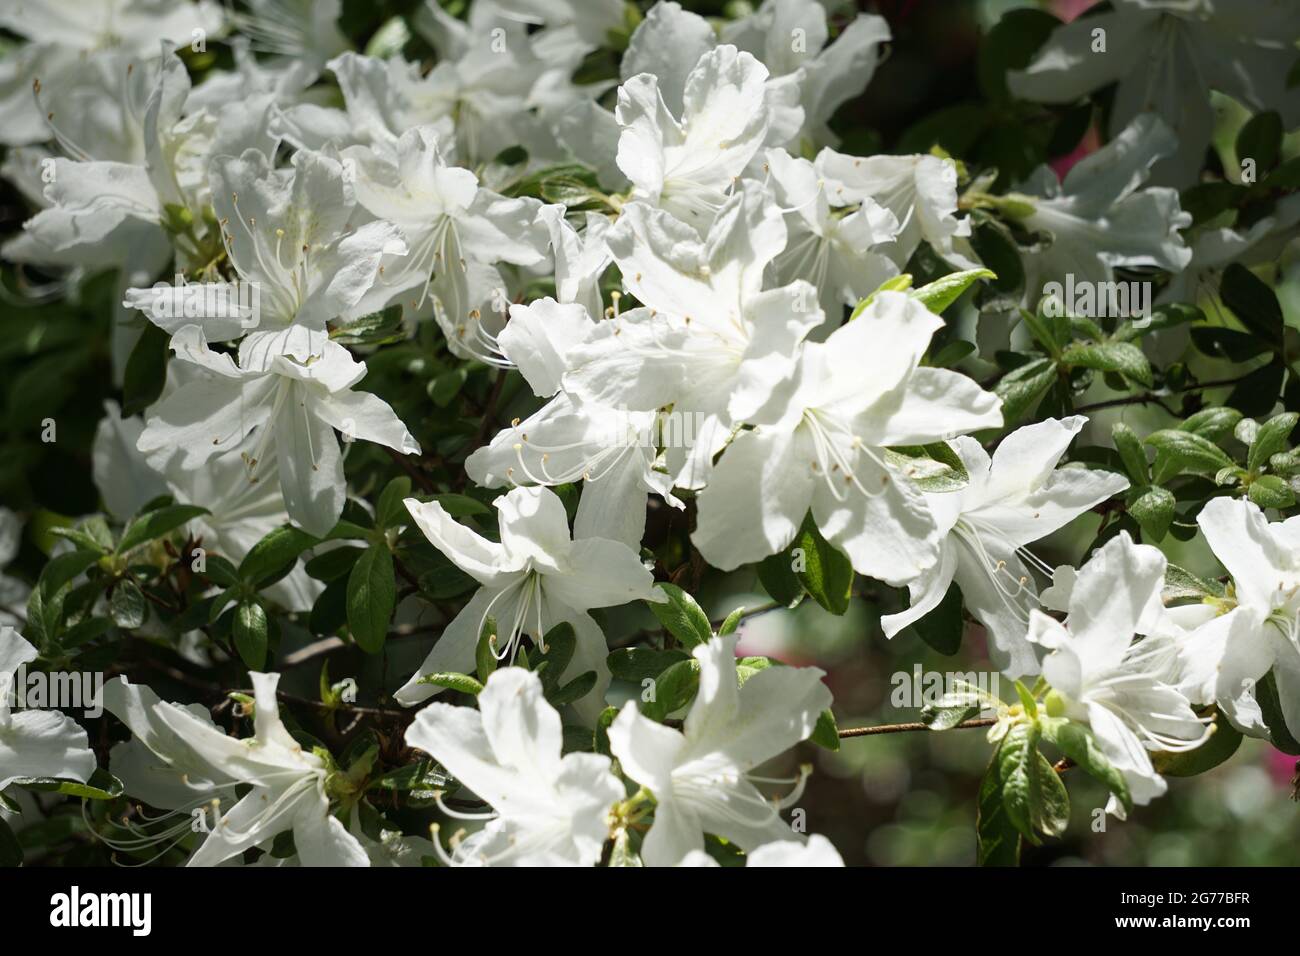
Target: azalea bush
[417,415]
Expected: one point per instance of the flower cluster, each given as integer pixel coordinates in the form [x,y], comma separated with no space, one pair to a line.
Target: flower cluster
[516,332]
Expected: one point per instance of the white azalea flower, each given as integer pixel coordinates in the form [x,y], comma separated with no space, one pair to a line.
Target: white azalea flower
[580,258]
[1257,626]
[700,775]
[64,35]
[613,451]
[153,168]
[488,67]
[1013,499]
[288,237]
[548,810]
[1167,55]
[790,38]
[159,767]
[295,395]
[820,444]
[687,165]
[304,34]
[447,220]
[1120,689]
[36,743]
[920,191]
[591,20]
[288,783]
[1215,247]
[535,578]
[710,342]
[817,851]
[1099,217]
[240,512]
[830,245]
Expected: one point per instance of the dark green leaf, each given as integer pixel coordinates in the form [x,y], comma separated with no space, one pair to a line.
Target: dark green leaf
[1223,743]
[155,524]
[824,571]
[1252,301]
[943,627]
[278,550]
[372,594]
[250,631]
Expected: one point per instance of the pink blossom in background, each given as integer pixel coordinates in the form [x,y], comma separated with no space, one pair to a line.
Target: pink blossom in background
[1067,10]
[1090,143]
[1281,766]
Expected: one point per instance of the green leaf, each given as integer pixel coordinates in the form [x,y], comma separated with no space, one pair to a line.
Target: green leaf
[1021,388]
[672,690]
[825,732]
[731,622]
[333,564]
[1017,759]
[102,785]
[1076,742]
[941,293]
[637,664]
[447,386]
[1253,302]
[485,652]
[461,682]
[1223,743]
[155,524]
[1154,511]
[376,328]
[575,689]
[776,574]
[1178,451]
[1270,491]
[949,711]
[1122,357]
[1131,453]
[461,506]
[933,468]
[1261,140]
[898,283]
[999,840]
[250,631]
[372,594]
[824,571]
[391,511]
[560,644]
[11,851]
[943,627]
[126,605]
[1270,703]
[682,617]
[63,568]
[91,535]
[997,250]
[1212,423]
[274,554]
[950,355]
[1273,437]
[1181,583]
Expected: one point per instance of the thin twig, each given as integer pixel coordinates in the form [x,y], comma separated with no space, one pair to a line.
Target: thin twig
[908,728]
